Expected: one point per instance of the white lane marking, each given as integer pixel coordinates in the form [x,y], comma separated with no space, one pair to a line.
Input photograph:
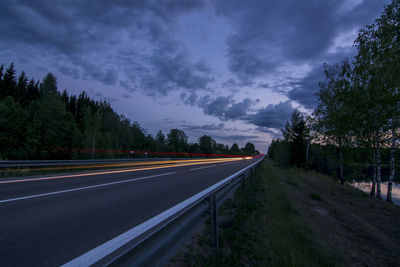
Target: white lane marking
[83,188]
[229,163]
[195,169]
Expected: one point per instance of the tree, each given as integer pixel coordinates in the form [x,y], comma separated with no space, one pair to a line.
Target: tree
[92,124]
[377,68]
[249,149]
[177,140]
[21,89]
[32,91]
[333,113]
[207,144]
[8,83]
[387,58]
[1,72]
[235,150]
[160,141]
[13,128]
[52,127]
[49,85]
[295,133]
[39,122]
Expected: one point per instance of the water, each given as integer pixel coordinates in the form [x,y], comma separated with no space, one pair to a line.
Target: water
[366,187]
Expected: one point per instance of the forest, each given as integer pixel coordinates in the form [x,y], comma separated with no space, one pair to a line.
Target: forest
[353,132]
[37,121]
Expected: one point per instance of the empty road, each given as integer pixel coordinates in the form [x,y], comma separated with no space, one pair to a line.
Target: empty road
[48,221]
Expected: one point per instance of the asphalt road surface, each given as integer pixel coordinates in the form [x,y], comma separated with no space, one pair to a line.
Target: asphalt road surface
[48,221]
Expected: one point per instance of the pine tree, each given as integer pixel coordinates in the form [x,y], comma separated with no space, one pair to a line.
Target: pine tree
[32,90]
[9,82]
[48,86]
[22,90]
[1,72]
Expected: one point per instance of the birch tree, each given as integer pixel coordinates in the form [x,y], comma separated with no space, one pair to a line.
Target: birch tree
[388,60]
[377,69]
[333,113]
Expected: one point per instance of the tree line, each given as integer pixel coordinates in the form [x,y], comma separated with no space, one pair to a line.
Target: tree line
[37,121]
[354,130]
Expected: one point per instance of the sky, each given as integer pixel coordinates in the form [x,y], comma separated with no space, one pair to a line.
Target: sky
[233,70]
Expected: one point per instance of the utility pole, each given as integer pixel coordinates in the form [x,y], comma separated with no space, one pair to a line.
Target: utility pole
[94,142]
[308,144]
[96,122]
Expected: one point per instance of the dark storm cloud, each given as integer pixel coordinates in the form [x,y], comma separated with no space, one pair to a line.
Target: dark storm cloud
[274,133]
[218,106]
[239,110]
[81,36]
[189,99]
[271,33]
[304,91]
[225,107]
[272,116]
[173,71]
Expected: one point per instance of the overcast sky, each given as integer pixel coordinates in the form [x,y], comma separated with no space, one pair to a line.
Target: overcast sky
[231,69]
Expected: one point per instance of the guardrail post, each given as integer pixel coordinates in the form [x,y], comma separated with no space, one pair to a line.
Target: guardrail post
[214,221]
[243,181]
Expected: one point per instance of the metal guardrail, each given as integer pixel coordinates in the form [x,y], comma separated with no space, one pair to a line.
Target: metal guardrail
[156,240]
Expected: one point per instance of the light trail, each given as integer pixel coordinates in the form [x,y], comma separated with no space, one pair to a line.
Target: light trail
[83,188]
[111,165]
[184,163]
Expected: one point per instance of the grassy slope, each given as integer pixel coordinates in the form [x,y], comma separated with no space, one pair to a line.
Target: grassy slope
[298,218]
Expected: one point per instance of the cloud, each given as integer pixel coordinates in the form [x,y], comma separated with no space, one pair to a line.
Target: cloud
[270,34]
[224,107]
[124,42]
[171,71]
[189,99]
[304,91]
[272,116]
[205,127]
[236,137]
[70,71]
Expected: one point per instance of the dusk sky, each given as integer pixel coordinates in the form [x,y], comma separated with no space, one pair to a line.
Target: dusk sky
[231,69]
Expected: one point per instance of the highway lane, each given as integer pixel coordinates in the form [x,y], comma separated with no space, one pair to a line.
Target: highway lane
[49,222]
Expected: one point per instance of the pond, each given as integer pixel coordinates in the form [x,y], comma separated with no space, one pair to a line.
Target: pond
[366,187]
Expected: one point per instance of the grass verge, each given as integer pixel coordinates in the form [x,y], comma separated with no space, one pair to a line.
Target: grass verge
[298,218]
[257,227]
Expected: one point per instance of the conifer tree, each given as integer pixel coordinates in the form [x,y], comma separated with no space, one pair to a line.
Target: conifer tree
[9,82]
[49,85]
[21,94]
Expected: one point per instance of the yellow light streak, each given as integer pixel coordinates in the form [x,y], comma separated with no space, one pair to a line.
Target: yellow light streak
[110,165]
[183,163]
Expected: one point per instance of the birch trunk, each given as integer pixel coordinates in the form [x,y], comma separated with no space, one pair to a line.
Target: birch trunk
[392,170]
[372,193]
[378,170]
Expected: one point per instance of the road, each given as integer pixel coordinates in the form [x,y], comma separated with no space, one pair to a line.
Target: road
[48,221]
